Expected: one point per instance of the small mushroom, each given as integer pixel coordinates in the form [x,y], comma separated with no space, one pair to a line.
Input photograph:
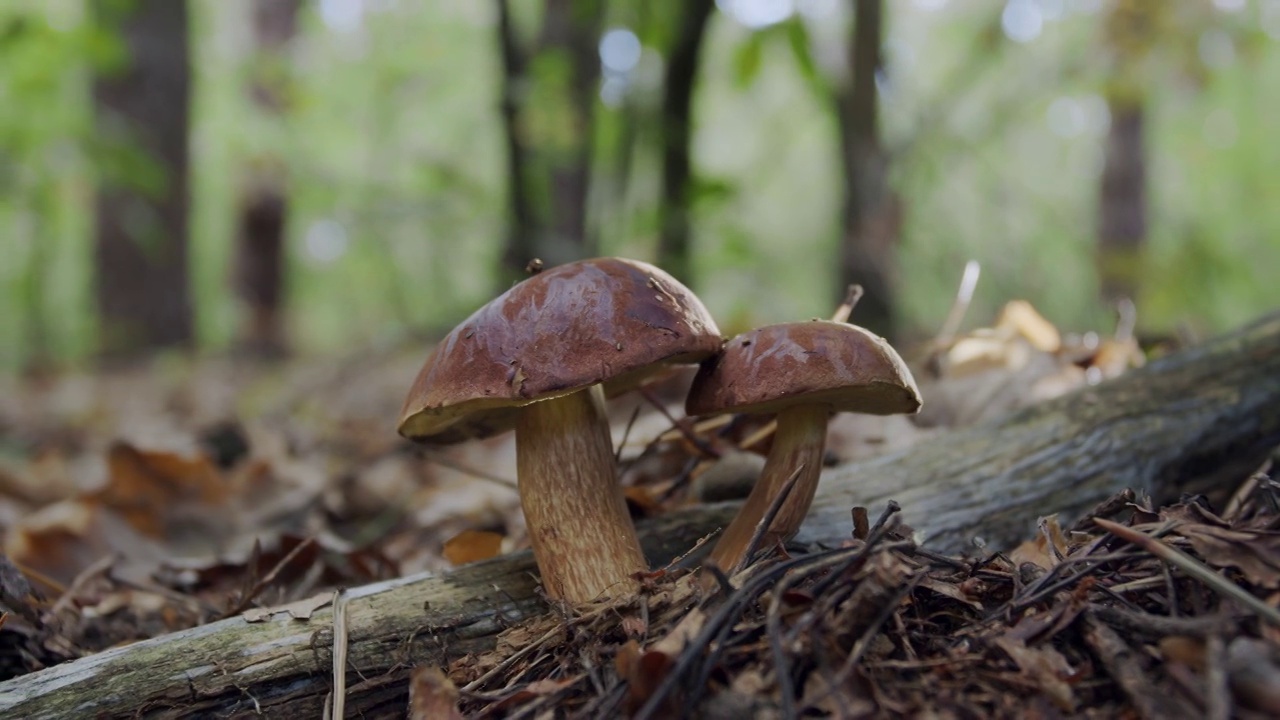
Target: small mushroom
[540,359]
[800,372]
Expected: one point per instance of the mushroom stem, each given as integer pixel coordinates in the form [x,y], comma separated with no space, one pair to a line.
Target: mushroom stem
[800,440]
[582,536]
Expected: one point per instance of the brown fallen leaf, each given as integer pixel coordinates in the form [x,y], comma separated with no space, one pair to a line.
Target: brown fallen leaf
[1043,666]
[535,689]
[471,546]
[143,486]
[1189,651]
[1021,318]
[432,695]
[951,590]
[1254,553]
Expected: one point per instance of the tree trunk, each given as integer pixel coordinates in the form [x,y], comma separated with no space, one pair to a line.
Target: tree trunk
[1122,192]
[1187,423]
[872,213]
[521,245]
[1122,202]
[674,251]
[264,202]
[548,108]
[142,289]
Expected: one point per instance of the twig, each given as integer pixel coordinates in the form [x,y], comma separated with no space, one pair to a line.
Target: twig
[851,297]
[877,531]
[1126,320]
[781,668]
[338,708]
[1236,504]
[959,306]
[513,658]
[40,577]
[864,642]
[723,618]
[762,527]
[626,433]
[452,464]
[1159,626]
[269,578]
[1192,567]
[764,433]
[682,425]
[1217,693]
[98,567]
[1123,667]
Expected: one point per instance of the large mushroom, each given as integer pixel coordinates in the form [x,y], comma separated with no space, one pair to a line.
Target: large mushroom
[800,372]
[539,359]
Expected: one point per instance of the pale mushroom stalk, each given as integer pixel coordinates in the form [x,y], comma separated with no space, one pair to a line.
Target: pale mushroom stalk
[577,517]
[799,443]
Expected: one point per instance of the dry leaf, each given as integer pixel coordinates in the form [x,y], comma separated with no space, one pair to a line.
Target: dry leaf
[471,546]
[1033,551]
[1019,317]
[143,487]
[537,688]
[680,635]
[1186,650]
[1254,553]
[432,695]
[549,686]
[1044,667]
[835,700]
[950,590]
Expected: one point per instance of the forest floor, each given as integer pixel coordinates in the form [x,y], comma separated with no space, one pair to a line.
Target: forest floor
[143,501]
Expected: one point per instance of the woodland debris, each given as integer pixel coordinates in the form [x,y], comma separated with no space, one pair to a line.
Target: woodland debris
[1200,420]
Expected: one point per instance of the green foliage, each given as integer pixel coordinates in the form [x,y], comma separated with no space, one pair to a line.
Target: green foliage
[393,138]
[747,59]
[749,55]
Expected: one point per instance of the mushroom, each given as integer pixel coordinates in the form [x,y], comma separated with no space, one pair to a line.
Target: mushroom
[540,359]
[802,372]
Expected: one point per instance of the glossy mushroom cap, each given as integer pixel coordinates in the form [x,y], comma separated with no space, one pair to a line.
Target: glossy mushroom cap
[605,320]
[818,362]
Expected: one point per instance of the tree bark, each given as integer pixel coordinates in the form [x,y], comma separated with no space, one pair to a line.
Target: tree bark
[872,213]
[142,288]
[548,108]
[1122,191]
[521,245]
[1186,423]
[1122,202]
[264,201]
[675,254]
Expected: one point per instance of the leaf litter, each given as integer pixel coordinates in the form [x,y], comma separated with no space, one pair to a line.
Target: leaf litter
[143,502]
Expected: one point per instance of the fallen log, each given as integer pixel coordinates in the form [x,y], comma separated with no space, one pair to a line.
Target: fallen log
[1186,423]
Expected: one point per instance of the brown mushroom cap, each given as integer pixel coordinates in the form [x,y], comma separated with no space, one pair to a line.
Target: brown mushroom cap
[815,362]
[605,320]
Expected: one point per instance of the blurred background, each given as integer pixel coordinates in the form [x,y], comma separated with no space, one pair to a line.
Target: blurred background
[313,176]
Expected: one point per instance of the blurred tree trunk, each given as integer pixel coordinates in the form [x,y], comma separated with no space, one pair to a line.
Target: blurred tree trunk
[36,349]
[548,103]
[142,290]
[674,252]
[872,216]
[1122,193]
[521,244]
[264,201]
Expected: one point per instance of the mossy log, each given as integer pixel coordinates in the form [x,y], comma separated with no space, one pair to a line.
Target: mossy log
[1191,422]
